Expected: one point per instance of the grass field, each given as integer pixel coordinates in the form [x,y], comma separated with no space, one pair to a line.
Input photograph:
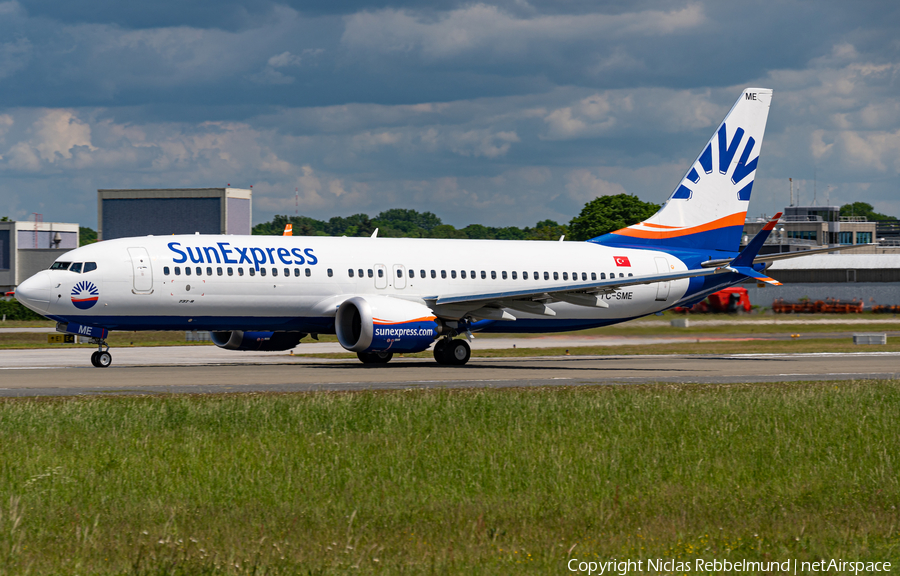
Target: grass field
[460,482]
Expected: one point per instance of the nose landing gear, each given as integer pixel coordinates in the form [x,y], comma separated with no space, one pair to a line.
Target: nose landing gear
[101,358]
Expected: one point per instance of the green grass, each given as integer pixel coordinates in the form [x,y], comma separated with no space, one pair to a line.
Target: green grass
[461,482]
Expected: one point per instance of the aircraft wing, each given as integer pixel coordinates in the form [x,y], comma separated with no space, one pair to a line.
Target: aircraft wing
[488,304]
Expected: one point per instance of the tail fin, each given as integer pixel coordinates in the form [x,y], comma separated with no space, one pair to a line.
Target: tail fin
[707,210]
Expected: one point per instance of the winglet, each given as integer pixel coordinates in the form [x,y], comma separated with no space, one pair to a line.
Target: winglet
[745,258]
[288,230]
[758,276]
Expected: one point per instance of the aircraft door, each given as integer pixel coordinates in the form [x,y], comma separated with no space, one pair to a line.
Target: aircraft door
[143,274]
[662,288]
[399,276]
[380,276]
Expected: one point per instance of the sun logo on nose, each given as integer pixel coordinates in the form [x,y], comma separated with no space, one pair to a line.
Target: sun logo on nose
[85,295]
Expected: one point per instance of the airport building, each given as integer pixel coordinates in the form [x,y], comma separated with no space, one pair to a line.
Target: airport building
[805,227]
[124,213]
[26,248]
[870,278]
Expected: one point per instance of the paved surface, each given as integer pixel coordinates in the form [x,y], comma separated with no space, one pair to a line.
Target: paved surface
[207,370]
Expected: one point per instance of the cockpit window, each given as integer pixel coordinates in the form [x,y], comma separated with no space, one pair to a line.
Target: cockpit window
[89,267]
[60,266]
[76,268]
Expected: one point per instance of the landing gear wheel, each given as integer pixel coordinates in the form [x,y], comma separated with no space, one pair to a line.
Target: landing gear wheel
[94,359]
[458,352]
[440,351]
[104,359]
[375,357]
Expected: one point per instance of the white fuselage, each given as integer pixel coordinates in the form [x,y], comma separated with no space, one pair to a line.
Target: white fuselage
[298,282]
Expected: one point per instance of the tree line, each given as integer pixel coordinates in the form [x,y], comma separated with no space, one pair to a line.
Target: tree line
[598,217]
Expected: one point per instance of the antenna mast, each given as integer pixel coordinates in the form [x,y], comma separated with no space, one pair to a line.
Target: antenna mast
[791,180]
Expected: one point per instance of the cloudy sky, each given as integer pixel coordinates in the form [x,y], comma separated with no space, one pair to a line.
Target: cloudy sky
[501,113]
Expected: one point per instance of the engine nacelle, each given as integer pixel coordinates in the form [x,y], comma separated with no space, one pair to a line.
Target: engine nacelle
[380,323]
[258,341]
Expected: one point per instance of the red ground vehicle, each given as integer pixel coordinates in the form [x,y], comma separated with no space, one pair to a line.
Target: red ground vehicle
[733,299]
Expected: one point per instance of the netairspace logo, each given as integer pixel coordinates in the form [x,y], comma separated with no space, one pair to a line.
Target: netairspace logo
[661,565]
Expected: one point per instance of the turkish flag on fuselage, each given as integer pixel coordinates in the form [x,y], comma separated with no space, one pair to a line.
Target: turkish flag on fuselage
[622,261]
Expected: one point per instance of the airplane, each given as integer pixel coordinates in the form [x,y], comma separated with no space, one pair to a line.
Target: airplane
[382,296]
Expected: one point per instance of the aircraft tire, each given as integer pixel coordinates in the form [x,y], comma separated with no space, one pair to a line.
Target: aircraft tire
[440,351]
[458,352]
[94,360]
[104,359]
[374,357]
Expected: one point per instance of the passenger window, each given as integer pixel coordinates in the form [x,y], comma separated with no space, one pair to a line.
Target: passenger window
[584,276]
[593,275]
[621,275]
[399,273]
[219,271]
[89,267]
[546,275]
[483,275]
[556,275]
[296,272]
[309,272]
[252,271]
[187,270]
[370,273]
[472,273]
[503,274]
[209,270]
[630,274]
[178,270]
[433,274]
[287,272]
[443,273]
[262,271]
[421,273]
[453,274]
[274,271]
[603,275]
[240,271]
[230,271]
[360,272]
[493,275]
[165,270]
[380,273]
[514,277]
[524,275]
[76,268]
[565,276]
[350,272]
[199,271]
[462,274]
[330,273]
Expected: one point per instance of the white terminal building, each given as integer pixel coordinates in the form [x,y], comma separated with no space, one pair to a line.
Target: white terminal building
[26,248]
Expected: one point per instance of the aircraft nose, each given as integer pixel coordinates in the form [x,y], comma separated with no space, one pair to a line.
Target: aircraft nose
[34,293]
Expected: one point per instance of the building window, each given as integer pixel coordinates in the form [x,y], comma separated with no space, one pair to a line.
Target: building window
[861,238]
[845,237]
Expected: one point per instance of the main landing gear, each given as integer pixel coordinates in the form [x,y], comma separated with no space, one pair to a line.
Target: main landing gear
[452,352]
[101,358]
[375,357]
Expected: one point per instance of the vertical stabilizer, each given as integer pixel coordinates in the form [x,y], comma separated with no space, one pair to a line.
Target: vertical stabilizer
[707,209]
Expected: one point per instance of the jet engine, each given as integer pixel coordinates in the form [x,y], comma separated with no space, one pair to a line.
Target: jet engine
[381,324]
[258,341]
